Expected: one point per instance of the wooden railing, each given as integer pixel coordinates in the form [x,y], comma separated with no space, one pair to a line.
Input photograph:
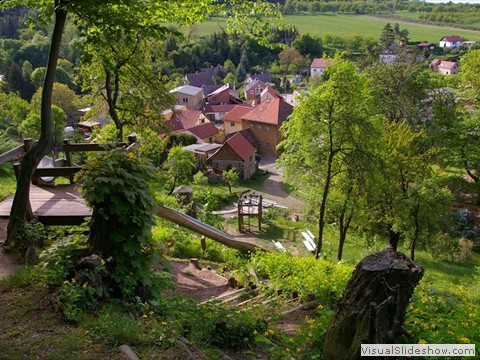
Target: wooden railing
[70,169]
[15,153]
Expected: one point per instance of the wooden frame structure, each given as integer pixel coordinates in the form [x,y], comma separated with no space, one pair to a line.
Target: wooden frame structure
[249,205]
[59,205]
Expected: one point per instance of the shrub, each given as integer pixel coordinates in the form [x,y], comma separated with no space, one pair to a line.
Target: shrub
[116,184]
[309,277]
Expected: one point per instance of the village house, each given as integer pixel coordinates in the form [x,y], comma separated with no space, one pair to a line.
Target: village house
[264,120]
[253,90]
[184,119]
[220,102]
[204,133]
[264,77]
[444,67]
[189,96]
[318,66]
[451,42]
[236,153]
[232,121]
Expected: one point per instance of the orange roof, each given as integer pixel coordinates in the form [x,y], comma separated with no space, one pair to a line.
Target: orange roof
[237,112]
[271,111]
[321,63]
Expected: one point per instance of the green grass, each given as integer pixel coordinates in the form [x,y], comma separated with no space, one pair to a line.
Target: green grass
[344,25]
[7,181]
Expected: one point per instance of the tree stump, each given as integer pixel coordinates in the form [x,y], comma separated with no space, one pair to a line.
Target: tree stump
[373,305]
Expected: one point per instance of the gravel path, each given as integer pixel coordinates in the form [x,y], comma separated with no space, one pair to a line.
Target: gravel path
[272,186]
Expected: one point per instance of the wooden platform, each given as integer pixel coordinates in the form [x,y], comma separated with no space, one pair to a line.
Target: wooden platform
[60,205]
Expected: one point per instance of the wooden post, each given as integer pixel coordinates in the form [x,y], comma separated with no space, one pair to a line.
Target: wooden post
[240,216]
[69,159]
[27,144]
[260,213]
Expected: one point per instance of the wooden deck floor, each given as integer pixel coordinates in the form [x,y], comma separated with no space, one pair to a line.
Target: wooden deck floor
[60,205]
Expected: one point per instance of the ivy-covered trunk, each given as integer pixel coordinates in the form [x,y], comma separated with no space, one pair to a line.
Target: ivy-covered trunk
[44,145]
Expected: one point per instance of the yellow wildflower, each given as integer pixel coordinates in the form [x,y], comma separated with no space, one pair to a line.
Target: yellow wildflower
[102,261]
[84,286]
[164,323]
[145,315]
[463,340]
[422,341]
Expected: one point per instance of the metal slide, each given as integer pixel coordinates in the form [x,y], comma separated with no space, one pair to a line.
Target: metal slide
[209,231]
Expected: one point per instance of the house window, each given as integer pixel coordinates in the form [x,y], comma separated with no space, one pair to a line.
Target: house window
[185,100]
[259,126]
[251,124]
[259,144]
[252,92]
[258,90]
[267,145]
[232,123]
[267,128]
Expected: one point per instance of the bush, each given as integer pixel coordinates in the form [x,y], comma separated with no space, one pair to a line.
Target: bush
[116,184]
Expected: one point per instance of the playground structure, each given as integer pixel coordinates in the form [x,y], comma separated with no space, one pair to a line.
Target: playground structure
[249,205]
[63,205]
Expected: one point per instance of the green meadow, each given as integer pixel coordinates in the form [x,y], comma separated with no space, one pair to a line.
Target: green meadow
[344,25]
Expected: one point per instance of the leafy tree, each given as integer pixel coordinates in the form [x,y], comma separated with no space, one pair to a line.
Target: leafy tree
[62,96]
[324,135]
[308,45]
[291,60]
[180,165]
[387,38]
[393,189]
[30,127]
[397,90]
[231,178]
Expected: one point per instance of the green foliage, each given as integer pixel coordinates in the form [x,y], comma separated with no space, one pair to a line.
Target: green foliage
[24,276]
[58,260]
[30,127]
[309,277]
[116,186]
[442,313]
[231,177]
[180,165]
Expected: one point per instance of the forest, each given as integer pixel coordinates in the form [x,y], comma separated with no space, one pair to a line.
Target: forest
[374,160]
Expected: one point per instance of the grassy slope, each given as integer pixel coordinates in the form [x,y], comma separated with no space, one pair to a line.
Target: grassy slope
[351,24]
[7,181]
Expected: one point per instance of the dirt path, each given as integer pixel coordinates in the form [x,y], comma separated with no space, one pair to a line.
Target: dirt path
[7,264]
[272,187]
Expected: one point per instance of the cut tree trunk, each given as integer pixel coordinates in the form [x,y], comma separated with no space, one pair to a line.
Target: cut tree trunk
[373,305]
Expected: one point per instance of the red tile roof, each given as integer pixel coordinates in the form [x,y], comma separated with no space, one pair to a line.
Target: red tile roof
[271,111]
[271,91]
[447,64]
[452,38]
[240,145]
[219,108]
[201,131]
[321,63]
[183,120]
[237,112]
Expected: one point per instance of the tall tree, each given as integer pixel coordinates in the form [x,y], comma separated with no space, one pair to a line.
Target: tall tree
[323,135]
